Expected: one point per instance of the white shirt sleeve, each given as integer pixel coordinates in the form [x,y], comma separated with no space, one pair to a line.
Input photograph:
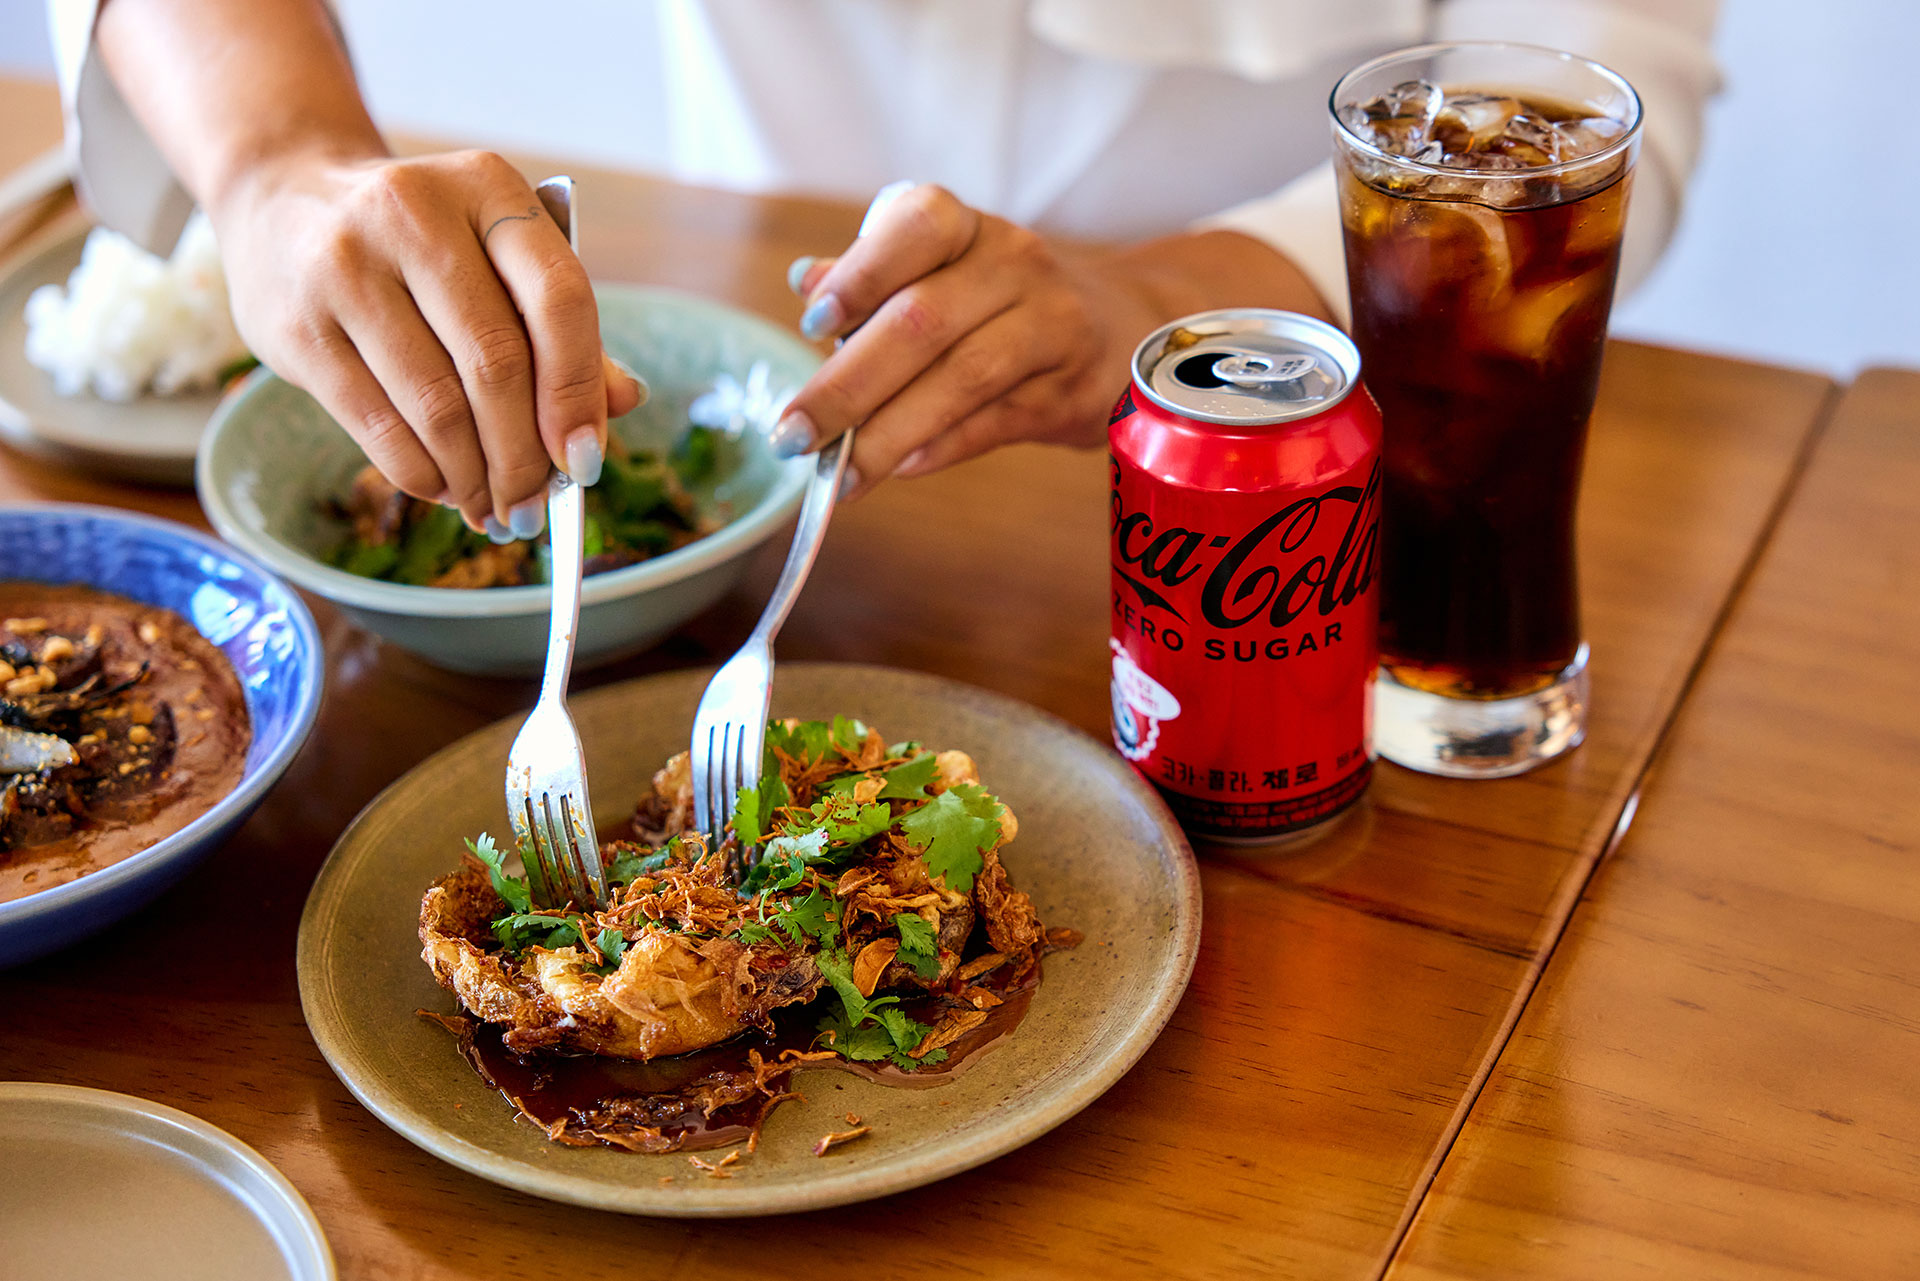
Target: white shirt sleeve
[117,169]
[1660,46]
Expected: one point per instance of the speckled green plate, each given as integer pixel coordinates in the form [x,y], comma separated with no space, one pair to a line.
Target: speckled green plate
[1097,851]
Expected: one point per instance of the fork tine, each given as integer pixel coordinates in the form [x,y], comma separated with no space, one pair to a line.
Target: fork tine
[703,756]
[737,765]
[527,837]
[717,783]
[551,856]
[583,848]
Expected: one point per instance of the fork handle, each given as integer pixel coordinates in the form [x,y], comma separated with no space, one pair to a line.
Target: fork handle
[567,521]
[830,466]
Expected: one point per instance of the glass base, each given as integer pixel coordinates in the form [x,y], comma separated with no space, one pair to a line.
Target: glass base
[1480,738]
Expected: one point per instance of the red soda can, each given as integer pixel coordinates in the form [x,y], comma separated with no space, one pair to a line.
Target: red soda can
[1246,511]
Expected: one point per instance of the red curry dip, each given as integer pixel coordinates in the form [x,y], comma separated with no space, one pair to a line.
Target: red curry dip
[119,725]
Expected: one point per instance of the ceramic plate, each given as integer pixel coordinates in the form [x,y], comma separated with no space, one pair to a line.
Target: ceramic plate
[102,1185]
[152,439]
[1097,850]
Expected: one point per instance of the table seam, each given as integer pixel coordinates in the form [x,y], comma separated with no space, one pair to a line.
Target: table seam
[1623,816]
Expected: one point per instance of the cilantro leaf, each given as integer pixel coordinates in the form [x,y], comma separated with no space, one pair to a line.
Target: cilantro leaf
[613,945]
[753,933]
[754,808]
[953,830]
[513,889]
[906,1032]
[846,823]
[846,733]
[834,968]
[808,918]
[867,1028]
[783,863]
[919,946]
[861,1044]
[907,782]
[519,930]
[805,741]
[838,971]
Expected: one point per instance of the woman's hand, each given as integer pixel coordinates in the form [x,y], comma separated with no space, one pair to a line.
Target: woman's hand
[965,331]
[437,312]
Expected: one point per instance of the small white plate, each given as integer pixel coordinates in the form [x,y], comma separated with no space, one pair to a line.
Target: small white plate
[103,1185]
[152,439]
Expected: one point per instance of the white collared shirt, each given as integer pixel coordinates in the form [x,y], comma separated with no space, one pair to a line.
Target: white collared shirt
[1111,119]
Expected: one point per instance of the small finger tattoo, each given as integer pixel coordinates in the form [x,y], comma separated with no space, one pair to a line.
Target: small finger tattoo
[533,212]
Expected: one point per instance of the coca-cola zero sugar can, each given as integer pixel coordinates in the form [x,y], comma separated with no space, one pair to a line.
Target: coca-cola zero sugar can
[1246,505]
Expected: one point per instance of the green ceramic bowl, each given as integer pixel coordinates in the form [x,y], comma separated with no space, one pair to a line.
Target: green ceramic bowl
[271,458]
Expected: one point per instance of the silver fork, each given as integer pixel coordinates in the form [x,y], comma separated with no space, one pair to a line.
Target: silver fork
[730,727]
[546,769]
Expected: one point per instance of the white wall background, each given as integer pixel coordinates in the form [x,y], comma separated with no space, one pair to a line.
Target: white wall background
[1800,246]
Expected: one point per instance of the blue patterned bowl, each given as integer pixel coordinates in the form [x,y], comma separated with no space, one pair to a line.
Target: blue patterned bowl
[261,626]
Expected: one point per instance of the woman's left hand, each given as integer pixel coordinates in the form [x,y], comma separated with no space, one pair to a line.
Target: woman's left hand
[965,331]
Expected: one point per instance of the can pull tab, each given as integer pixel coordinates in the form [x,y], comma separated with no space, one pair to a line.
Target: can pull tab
[1262,371]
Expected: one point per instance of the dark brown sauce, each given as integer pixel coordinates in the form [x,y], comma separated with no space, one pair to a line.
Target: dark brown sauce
[569,1095]
[153,712]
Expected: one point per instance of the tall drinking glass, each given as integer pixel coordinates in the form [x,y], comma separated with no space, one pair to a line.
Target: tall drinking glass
[1483,190]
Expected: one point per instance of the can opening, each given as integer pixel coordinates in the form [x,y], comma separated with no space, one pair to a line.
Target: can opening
[1198,371]
[1246,367]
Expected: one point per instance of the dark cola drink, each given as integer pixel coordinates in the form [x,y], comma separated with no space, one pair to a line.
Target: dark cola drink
[1482,229]
[1246,501]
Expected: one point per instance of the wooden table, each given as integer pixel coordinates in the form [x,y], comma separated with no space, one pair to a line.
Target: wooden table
[1345,1066]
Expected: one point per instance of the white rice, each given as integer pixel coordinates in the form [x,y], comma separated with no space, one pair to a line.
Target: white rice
[126,321]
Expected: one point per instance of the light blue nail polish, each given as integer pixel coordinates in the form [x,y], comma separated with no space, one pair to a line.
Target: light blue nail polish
[498,534]
[849,481]
[797,273]
[823,317]
[634,374]
[528,519]
[792,435]
[584,457]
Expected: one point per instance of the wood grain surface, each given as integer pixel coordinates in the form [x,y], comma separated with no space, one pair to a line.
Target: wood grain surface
[1348,1000]
[1716,1078]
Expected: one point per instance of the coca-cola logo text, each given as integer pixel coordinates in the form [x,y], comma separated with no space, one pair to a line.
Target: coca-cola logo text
[1261,573]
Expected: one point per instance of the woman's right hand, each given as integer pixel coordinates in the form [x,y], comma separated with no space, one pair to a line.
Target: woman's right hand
[436,311]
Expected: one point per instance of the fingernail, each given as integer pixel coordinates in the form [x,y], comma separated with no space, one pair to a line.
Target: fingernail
[797,274]
[823,317]
[792,435]
[498,534]
[528,519]
[911,463]
[584,456]
[639,384]
[849,481]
